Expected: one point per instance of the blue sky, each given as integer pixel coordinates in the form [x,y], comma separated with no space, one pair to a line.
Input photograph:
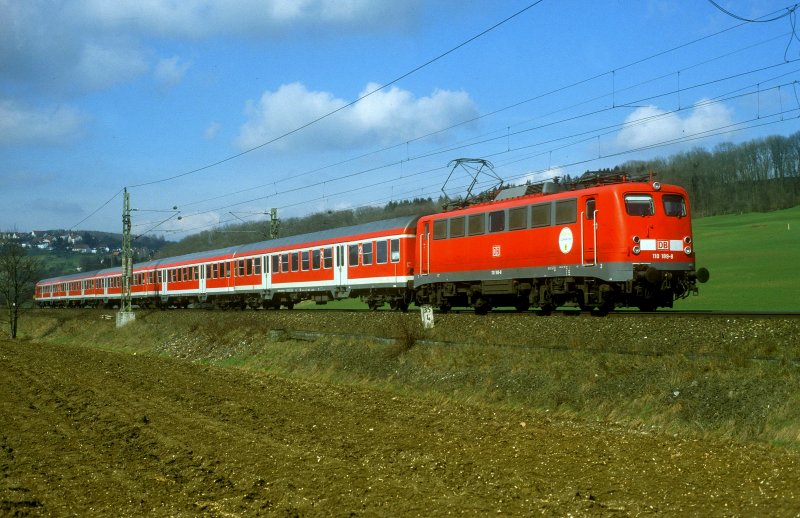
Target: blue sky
[185,103]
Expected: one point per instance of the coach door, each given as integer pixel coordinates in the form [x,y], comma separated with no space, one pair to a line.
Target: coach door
[589,231]
[425,250]
[340,266]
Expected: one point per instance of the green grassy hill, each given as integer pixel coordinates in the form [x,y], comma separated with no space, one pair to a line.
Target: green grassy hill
[754,260]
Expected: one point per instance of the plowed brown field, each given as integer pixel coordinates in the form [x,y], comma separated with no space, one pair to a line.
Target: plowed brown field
[86,432]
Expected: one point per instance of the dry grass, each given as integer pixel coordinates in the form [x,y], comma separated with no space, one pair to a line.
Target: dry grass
[694,387]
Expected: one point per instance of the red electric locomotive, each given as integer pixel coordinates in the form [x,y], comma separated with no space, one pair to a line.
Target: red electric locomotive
[599,244]
[602,243]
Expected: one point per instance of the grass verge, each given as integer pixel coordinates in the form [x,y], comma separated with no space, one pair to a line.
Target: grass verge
[736,379]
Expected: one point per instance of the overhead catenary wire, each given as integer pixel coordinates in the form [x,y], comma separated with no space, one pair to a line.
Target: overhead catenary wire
[345,106]
[445,129]
[275,182]
[451,149]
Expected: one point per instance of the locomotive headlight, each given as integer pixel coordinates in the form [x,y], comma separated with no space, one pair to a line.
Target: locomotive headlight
[687,250]
[656,186]
[687,240]
[636,250]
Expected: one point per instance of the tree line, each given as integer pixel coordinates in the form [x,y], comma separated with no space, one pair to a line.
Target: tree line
[756,176]
[239,234]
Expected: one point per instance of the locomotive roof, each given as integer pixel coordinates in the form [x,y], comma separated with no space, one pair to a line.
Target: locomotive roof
[404,222]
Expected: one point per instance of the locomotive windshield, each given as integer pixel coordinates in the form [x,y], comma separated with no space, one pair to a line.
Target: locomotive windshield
[674,205]
[639,205]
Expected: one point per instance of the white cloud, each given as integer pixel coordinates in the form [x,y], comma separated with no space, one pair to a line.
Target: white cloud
[387,116]
[75,47]
[169,72]
[650,125]
[211,131]
[203,18]
[103,65]
[21,124]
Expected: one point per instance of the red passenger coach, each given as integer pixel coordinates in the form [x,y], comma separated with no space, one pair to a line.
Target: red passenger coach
[596,247]
[373,261]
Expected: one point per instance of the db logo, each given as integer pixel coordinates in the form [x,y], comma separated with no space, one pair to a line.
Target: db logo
[662,245]
[496,251]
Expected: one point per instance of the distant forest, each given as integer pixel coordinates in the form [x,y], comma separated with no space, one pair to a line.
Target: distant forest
[756,176]
[259,231]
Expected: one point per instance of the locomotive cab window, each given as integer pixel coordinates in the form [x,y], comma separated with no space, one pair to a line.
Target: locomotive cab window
[639,205]
[590,208]
[674,205]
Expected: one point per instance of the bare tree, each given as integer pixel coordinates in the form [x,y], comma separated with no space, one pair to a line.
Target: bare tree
[18,274]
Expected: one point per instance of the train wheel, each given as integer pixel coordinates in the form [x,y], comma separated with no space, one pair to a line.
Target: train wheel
[647,305]
[482,306]
[546,309]
[522,304]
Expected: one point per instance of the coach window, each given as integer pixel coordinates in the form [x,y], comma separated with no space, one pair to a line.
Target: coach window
[497,221]
[227,269]
[196,272]
[440,229]
[276,263]
[366,253]
[394,250]
[639,205]
[284,263]
[590,208]
[306,261]
[240,268]
[381,252]
[248,263]
[457,227]
[566,211]
[352,255]
[294,256]
[257,266]
[674,205]
[327,258]
[315,259]
[476,224]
